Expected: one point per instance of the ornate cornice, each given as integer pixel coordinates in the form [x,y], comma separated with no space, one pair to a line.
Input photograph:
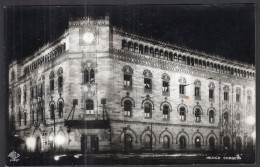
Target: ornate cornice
[163,64]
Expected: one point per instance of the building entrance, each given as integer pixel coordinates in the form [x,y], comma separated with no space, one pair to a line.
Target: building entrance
[89,143]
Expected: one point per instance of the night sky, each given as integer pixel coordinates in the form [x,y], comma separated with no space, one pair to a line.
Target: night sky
[225,30]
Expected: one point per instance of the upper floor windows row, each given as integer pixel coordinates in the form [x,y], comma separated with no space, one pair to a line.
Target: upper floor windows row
[60,80]
[168,55]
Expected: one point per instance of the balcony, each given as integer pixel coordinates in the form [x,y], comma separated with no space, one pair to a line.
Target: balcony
[88,124]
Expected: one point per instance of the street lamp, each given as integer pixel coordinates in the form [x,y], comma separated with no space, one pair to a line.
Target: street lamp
[30,143]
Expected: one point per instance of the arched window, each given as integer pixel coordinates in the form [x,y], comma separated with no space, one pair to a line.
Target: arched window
[89,76]
[147,80]
[127,108]
[128,72]
[226,142]
[86,76]
[89,106]
[146,50]
[238,91]
[60,109]
[19,96]
[141,50]
[197,141]
[238,144]
[165,84]
[92,76]
[182,142]
[197,115]
[225,117]
[40,115]
[12,76]
[151,51]
[51,77]
[124,44]
[166,141]
[182,114]
[226,93]
[24,94]
[130,46]
[52,111]
[136,47]
[211,142]
[211,91]
[166,114]
[147,141]
[197,85]
[60,78]
[211,116]
[147,110]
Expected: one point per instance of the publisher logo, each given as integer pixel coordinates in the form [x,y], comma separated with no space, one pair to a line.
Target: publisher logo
[14,156]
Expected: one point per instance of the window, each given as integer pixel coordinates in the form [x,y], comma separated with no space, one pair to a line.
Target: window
[60,109]
[165,112]
[24,95]
[127,108]
[127,80]
[237,98]
[165,86]
[89,76]
[197,115]
[211,116]
[147,83]
[226,142]
[89,107]
[92,76]
[60,82]
[225,117]
[182,89]
[86,76]
[197,142]
[147,110]
[25,118]
[197,92]
[226,96]
[52,112]
[60,78]
[51,81]
[182,142]
[211,93]
[32,92]
[12,76]
[166,142]
[182,114]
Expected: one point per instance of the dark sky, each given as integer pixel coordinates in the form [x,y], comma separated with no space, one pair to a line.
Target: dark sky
[225,30]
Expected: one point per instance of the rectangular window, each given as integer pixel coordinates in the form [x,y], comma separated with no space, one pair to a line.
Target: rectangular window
[19,98]
[226,96]
[127,80]
[147,83]
[211,93]
[197,91]
[237,98]
[165,86]
[182,91]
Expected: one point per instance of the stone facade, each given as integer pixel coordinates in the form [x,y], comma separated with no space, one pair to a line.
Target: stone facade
[141,80]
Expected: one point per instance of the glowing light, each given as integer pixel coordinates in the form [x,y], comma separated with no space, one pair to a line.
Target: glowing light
[59,139]
[250,120]
[88,37]
[56,158]
[30,142]
[51,138]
